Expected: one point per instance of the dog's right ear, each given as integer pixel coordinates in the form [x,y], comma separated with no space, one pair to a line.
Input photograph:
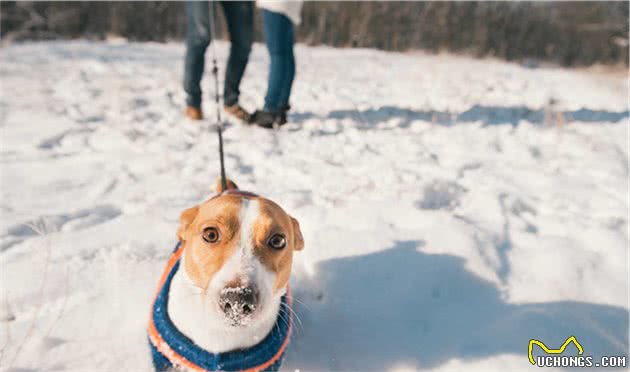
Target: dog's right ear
[185,219]
[230,185]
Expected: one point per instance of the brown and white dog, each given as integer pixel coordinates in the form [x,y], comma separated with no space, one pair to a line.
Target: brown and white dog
[235,267]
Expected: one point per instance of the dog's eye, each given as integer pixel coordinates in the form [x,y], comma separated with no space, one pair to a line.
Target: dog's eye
[211,234]
[277,241]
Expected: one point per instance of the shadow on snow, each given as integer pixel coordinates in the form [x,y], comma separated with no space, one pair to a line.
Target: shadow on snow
[402,306]
[488,115]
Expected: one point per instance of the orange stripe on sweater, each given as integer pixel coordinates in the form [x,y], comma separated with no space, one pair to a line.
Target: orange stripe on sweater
[155,337]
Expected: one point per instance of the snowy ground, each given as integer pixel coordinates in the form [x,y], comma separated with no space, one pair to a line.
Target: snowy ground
[449,214]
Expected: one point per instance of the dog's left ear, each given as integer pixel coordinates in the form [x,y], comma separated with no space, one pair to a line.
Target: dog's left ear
[298,240]
[185,219]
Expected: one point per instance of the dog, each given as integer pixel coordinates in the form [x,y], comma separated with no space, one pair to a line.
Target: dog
[223,302]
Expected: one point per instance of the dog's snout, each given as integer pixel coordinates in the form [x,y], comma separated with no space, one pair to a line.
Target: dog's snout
[238,302]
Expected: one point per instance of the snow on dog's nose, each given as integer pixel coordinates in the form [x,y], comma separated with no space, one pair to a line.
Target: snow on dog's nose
[238,302]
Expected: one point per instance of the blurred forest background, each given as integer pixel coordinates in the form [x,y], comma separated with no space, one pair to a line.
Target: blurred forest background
[567,33]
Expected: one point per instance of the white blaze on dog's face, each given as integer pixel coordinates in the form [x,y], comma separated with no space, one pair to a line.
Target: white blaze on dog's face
[238,250]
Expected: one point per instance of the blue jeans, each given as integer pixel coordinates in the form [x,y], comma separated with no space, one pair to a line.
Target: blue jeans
[240,21]
[278,30]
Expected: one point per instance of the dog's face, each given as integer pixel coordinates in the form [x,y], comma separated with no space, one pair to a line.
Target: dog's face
[238,251]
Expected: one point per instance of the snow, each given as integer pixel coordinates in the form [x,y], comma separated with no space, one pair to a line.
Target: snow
[449,215]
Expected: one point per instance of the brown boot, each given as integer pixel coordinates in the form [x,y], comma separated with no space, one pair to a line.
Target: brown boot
[194,113]
[238,112]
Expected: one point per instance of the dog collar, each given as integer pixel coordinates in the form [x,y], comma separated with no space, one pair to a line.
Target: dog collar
[170,348]
[238,192]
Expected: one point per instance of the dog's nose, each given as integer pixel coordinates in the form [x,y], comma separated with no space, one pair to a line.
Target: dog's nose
[238,302]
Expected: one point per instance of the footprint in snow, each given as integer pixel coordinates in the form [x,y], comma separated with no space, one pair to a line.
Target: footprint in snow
[44,225]
[441,195]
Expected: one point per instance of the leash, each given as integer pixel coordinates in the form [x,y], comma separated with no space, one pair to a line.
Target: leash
[215,73]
